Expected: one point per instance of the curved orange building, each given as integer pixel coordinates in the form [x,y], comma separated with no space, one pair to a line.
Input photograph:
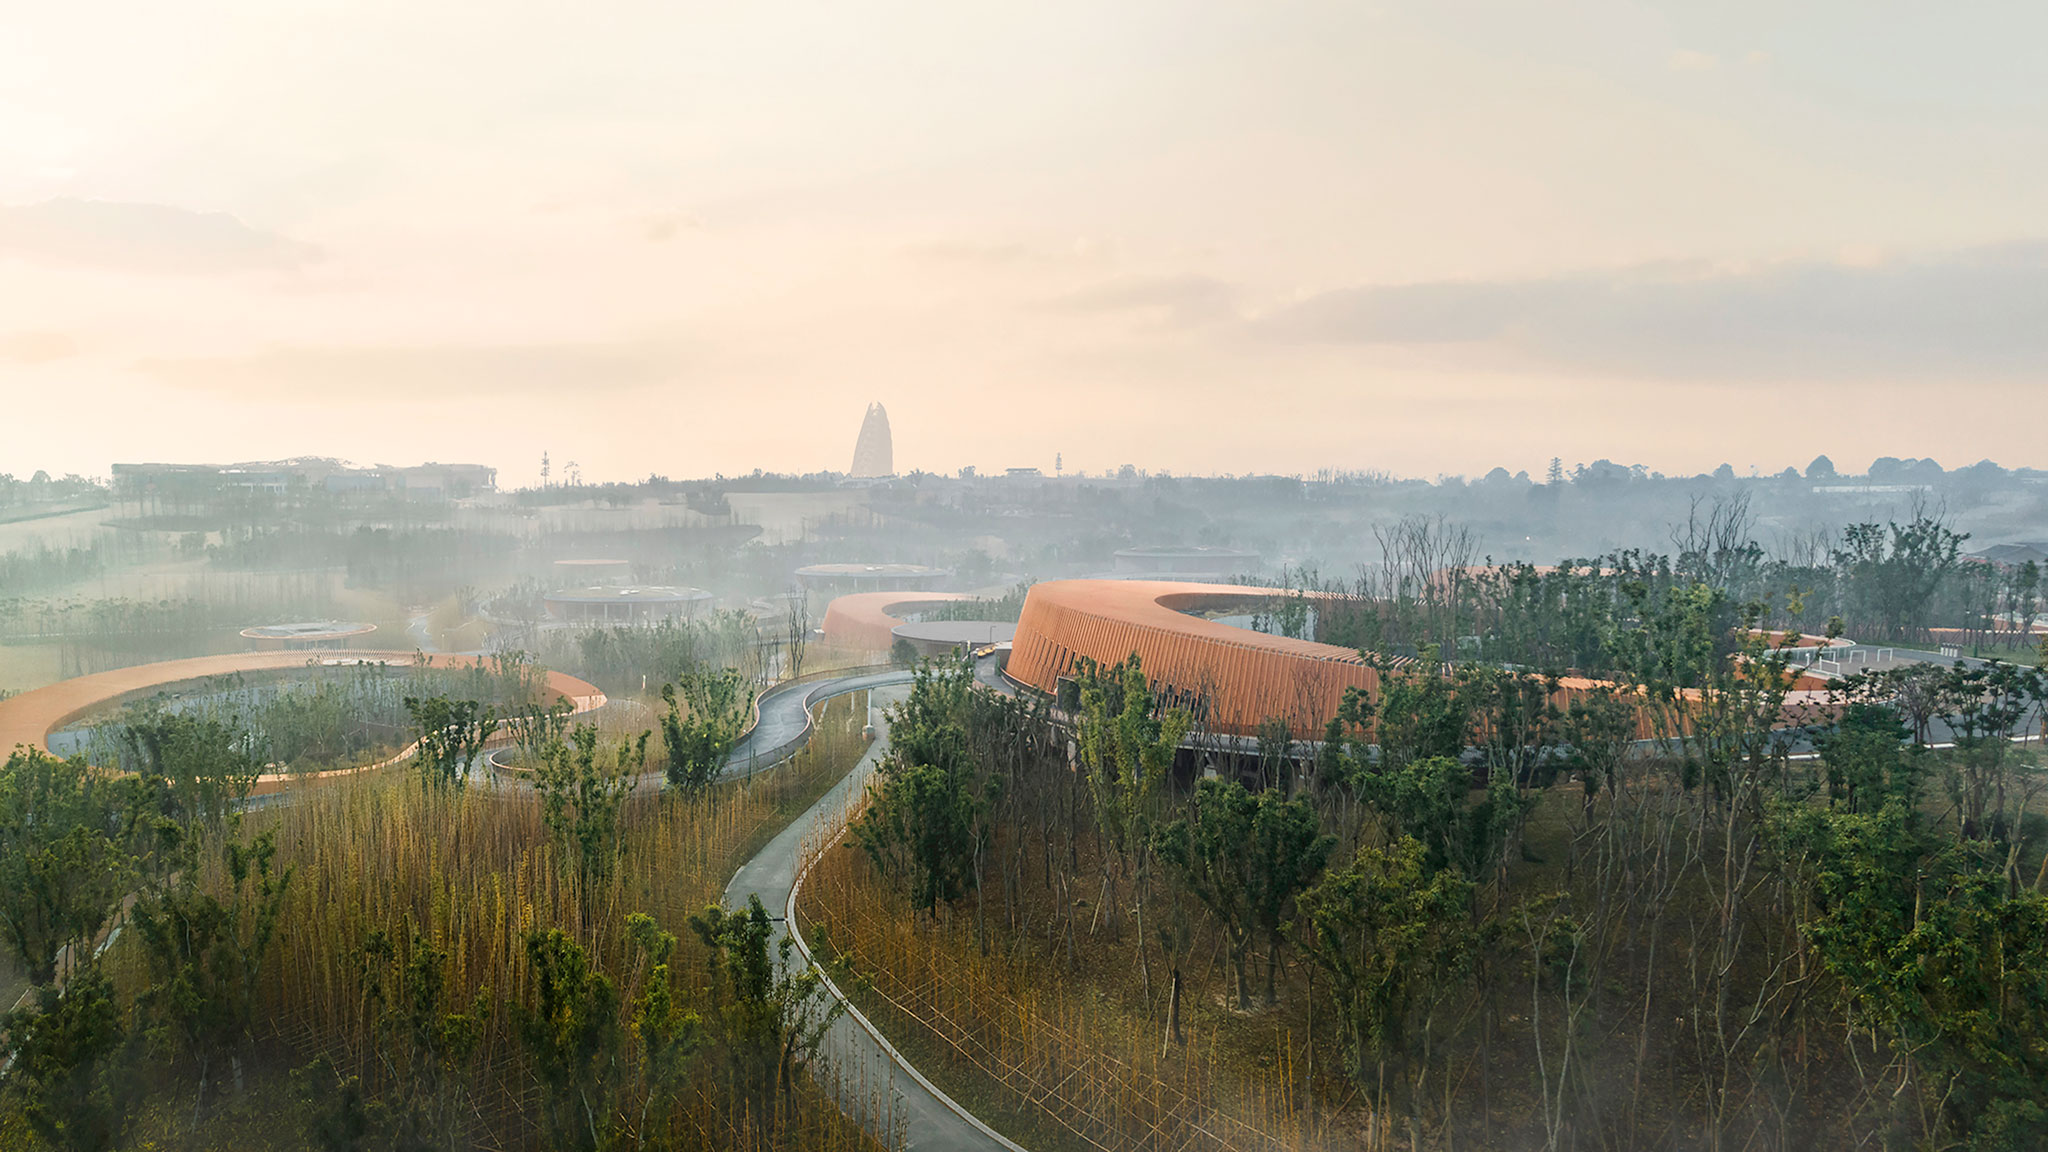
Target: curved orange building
[1234,679]
[28,719]
[1238,677]
[869,620]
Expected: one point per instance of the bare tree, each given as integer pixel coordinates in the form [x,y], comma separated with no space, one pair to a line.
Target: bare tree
[799,628]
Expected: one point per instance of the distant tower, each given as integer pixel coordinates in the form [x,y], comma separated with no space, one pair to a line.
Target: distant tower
[872,454]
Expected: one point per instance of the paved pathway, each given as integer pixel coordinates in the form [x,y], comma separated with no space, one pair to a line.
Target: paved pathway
[879,1089]
[785,721]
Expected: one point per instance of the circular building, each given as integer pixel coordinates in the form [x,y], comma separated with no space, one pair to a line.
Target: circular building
[1205,562]
[868,620]
[949,637]
[583,573]
[1233,680]
[637,605]
[871,577]
[306,635]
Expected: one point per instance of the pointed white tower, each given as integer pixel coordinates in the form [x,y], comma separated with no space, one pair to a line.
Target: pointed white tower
[872,453]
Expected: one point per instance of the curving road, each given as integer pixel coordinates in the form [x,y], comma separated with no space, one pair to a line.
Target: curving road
[876,1085]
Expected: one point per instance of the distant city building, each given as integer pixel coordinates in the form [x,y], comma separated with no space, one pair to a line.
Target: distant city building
[873,454]
[592,572]
[870,577]
[1184,562]
[2014,555]
[193,482]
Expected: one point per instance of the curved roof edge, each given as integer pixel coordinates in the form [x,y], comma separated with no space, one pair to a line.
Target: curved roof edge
[868,619]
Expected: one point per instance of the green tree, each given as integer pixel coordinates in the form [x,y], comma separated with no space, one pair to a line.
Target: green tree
[1246,857]
[1127,741]
[699,730]
[1894,571]
[769,1012]
[62,868]
[1393,935]
[535,727]
[450,735]
[1938,963]
[670,1035]
[928,816]
[422,1047]
[205,956]
[69,1056]
[207,766]
[573,1039]
[583,794]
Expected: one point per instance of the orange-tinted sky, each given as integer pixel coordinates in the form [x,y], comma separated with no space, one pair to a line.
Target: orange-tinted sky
[685,238]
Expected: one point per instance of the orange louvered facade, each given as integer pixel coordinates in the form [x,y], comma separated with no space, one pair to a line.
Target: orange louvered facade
[868,620]
[1245,677]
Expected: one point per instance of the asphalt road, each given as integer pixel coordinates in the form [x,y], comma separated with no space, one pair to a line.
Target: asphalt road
[874,1084]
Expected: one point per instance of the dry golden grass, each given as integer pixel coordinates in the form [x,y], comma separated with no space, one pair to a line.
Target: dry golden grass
[1055,1060]
[474,872]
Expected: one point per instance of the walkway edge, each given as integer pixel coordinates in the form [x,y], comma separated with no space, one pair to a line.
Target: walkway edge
[874,1033]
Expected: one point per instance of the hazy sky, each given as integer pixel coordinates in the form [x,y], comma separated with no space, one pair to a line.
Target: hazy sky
[675,237]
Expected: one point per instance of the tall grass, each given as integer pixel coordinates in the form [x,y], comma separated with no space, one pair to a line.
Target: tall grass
[1052,1061]
[474,872]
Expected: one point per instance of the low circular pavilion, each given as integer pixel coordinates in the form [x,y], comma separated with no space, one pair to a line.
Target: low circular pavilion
[644,604]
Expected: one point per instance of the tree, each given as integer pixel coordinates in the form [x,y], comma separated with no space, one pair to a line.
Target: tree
[1822,468]
[450,735]
[422,1047]
[69,1056]
[1937,964]
[903,653]
[1393,937]
[699,730]
[769,1012]
[535,727]
[929,809]
[207,766]
[572,1036]
[205,955]
[798,628]
[669,1034]
[1245,857]
[583,795]
[62,870]
[1127,742]
[1893,571]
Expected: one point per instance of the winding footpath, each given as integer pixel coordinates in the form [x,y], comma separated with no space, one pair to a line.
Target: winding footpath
[873,1082]
[875,1085]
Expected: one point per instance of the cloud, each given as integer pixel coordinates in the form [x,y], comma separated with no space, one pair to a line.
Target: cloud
[1178,301]
[1689,60]
[1975,312]
[1080,250]
[36,347]
[142,237]
[665,226]
[340,376]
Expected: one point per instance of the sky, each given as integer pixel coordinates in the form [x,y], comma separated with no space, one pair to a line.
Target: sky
[660,236]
